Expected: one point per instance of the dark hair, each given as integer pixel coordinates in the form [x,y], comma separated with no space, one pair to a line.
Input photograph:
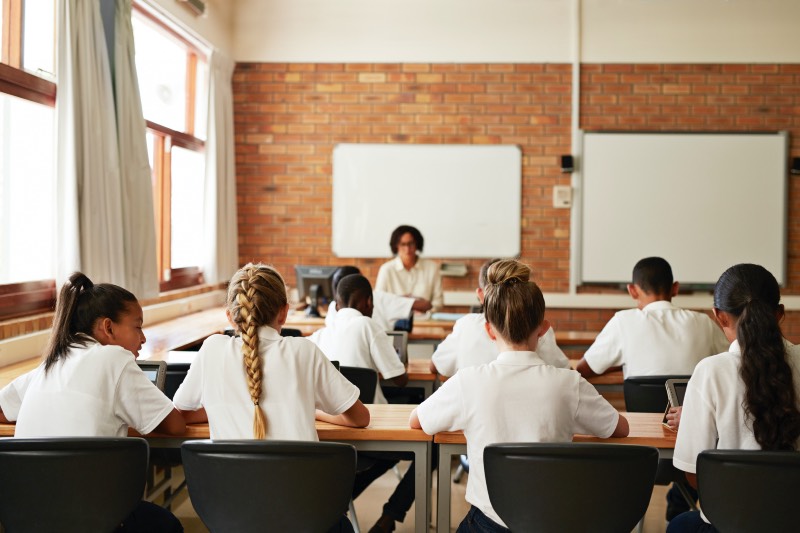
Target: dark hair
[653,275]
[513,304]
[398,233]
[80,304]
[751,294]
[341,272]
[352,290]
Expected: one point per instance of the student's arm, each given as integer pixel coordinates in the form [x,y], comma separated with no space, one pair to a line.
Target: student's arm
[401,380]
[422,305]
[622,428]
[173,424]
[3,419]
[195,417]
[691,479]
[357,416]
[584,369]
[413,420]
[432,368]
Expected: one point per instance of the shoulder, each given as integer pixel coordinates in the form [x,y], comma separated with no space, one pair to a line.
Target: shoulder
[108,355]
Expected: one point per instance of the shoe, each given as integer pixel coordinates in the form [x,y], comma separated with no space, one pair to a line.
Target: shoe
[384,524]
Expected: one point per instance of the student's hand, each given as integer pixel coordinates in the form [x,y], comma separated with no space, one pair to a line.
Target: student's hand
[422,305]
[674,417]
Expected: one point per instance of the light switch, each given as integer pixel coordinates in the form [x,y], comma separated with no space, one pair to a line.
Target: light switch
[562,196]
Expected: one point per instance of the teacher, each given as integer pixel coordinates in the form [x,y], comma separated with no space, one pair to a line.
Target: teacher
[408,274]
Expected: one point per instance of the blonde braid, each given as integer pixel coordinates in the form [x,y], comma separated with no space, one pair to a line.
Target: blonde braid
[252,362]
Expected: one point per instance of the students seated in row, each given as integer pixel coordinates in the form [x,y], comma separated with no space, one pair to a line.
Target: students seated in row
[388,308]
[748,397]
[354,339]
[517,397]
[470,345]
[89,384]
[656,338]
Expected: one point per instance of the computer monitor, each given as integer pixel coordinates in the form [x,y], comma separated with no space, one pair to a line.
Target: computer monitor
[314,282]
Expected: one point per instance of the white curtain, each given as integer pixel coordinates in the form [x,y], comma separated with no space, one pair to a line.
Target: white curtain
[222,250]
[139,243]
[90,203]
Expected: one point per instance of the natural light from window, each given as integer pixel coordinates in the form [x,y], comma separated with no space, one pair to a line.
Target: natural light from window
[38,47]
[187,207]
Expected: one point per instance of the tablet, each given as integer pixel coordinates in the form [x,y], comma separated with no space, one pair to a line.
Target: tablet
[156,372]
[400,342]
[676,391]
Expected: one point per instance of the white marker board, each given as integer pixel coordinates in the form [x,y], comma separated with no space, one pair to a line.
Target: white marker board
[704,202]
[464,199]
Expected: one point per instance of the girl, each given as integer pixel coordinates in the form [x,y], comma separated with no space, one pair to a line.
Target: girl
[517,397]
[275,392]
[469,345]
[745,398]
[89,383]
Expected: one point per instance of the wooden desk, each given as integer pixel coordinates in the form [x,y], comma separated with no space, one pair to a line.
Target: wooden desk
[183,332]
[645,429]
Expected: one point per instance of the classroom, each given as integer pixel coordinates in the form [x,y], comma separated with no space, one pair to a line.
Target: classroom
[250,176]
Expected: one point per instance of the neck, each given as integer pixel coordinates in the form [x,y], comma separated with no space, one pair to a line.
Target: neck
[647,299]
[409,263]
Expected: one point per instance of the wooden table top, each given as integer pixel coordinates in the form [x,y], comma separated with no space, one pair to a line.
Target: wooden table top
[184,331]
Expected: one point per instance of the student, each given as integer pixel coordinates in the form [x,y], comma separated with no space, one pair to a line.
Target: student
[516,397]
[727,405]
[89,384]
[470,345]
[387,309]
[354,339]
[408,274]
[656,338]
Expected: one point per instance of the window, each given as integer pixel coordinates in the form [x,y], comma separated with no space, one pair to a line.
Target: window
[173,80]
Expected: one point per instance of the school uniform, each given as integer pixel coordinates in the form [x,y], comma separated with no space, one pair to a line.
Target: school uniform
[470,345]
[515,398]
[356,340]
[424,280]
[388,308]
[297,379]
[659,339]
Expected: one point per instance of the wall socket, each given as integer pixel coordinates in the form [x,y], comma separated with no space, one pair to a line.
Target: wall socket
[562,196]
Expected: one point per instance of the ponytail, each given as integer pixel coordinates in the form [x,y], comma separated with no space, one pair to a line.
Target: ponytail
[255,296]
[79,305]
[751,294]
[512,304]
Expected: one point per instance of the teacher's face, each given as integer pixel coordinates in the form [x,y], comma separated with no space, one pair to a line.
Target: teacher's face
[407,249]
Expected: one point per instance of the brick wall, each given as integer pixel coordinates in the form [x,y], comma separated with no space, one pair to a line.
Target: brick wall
[289,117]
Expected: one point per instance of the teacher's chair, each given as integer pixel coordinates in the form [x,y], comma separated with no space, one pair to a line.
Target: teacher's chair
[70,485]
[749,491]
[571,487]
[260,486]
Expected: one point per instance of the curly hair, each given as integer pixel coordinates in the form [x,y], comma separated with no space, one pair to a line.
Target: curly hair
[399,231]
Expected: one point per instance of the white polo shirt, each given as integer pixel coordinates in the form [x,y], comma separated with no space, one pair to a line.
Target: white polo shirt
[356,340]
[95,391]
[516,398]
[424,280]
[470,345]
[387,309]
[659,339]
[297,379]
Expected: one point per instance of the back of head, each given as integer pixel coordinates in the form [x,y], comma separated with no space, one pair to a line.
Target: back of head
[513,304]
[352,291]
[80,305]
[256,295]
[654,276]
[398,233]
[341,272]
[483,273]
[750,294]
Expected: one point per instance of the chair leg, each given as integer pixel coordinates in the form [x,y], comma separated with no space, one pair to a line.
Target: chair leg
[397,473]
[353,518]
[686,496]
[640,526]
[458,475]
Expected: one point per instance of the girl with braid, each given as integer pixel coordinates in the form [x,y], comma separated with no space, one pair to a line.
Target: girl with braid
[261,385]
[745,398]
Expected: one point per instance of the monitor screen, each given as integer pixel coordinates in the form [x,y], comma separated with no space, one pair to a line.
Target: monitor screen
[307,276]
[155,372]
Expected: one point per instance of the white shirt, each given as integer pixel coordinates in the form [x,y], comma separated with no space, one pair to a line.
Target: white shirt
[297,379]
[470,345]
[424,280]
[516,398]
[95,391]
[659,339]
[387,309]
[356,340]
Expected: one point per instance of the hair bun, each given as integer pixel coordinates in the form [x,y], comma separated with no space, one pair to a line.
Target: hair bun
[80,281]
[508,272]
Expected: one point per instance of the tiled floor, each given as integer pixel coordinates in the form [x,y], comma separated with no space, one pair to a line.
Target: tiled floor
[369,505]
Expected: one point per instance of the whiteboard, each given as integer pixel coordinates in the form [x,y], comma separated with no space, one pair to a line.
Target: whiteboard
[464,199]
[704,202]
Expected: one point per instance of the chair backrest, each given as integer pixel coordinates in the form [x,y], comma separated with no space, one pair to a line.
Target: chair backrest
[176,373]
[70,484]
[366,379]
[647,394]
[256,486]
[749,491]
[291,332]
[535,487]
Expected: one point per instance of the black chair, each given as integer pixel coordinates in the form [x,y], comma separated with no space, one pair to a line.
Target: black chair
[366,379]
[535,487]
[749,491]
[648,394]
[256,486]
[291,332]
[70,484]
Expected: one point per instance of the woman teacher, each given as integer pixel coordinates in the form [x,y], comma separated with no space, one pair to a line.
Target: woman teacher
[410,275]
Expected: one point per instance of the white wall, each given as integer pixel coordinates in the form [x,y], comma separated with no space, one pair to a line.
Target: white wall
[215,27]
[515,30]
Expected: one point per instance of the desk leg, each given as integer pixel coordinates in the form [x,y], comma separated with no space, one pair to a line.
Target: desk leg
[446,453]
[422,486]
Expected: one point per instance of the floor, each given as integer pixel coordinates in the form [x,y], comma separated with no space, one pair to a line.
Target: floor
[368,507]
